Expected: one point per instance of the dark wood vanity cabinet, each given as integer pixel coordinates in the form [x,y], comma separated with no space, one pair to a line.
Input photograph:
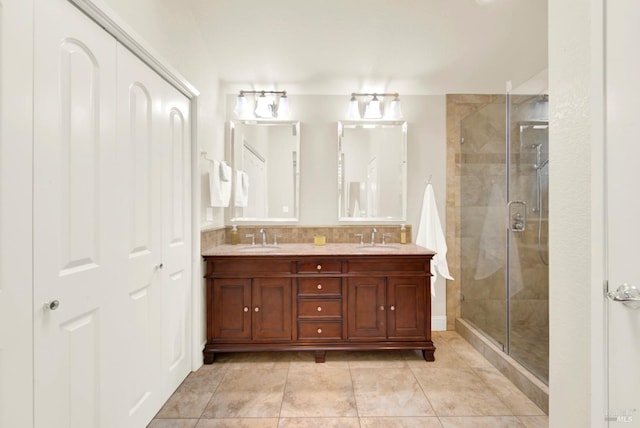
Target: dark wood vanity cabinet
[251,309]
[386,308]
[350,302]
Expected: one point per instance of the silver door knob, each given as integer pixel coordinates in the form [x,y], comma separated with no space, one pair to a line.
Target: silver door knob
[629,295]
[393,308]
[52,305]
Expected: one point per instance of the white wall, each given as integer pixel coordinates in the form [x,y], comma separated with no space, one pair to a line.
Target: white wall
[575,205]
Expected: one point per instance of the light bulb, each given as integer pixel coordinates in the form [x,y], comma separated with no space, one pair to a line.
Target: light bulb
[354,109]
[241,105]
[373,109]
[283,107]
[394,111]
[264,108]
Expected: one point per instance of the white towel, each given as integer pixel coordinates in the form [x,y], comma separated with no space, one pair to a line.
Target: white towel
[220,191]
[241,196]
[225,171]
[430,236]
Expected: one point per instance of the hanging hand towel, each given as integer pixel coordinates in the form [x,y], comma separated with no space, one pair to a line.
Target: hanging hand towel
[430,236]
[241,196]
[225,171]
[220,191]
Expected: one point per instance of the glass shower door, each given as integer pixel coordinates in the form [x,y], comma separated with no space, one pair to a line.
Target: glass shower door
[527,216]
[483,199]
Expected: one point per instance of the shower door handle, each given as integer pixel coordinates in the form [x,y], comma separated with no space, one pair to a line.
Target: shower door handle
[629,295]
[517,212]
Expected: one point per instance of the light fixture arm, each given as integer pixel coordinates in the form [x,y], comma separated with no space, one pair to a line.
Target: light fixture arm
[375,94]
[282,93]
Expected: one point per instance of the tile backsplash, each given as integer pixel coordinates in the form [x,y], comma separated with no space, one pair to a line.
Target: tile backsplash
[302,234]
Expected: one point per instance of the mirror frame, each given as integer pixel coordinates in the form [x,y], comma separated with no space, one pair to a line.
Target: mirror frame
[295,124]
[342,124]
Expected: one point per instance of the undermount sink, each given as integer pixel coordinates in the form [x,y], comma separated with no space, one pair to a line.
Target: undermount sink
[259,249]
[380,248]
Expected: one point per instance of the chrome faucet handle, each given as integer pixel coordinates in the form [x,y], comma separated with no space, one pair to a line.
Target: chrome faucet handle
[373,236]
[361,235]
[275,239]
[252,236]
[384,237]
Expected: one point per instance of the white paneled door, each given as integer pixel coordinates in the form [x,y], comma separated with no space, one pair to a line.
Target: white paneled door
[622,62]
[112,228]
[76,231]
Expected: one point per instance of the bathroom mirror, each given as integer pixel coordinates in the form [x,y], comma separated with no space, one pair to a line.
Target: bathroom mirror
[372,170]
[265,156]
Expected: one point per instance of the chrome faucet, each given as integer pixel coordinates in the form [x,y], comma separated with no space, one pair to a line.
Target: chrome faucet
[264,237]
[373,236]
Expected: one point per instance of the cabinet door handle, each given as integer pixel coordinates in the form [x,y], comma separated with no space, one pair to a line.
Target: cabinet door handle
[246,309]
[393,308]
[319,308]
[319,286]
[256,309]
[319,331]
[381,308]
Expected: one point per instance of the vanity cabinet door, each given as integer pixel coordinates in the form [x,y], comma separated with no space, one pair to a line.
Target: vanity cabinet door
[272,308]
[366,303]
[406,308]
[231,309]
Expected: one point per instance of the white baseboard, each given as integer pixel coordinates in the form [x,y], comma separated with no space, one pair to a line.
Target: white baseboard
[439,323]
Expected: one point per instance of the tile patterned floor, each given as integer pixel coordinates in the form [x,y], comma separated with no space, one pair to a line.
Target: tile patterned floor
[395,389]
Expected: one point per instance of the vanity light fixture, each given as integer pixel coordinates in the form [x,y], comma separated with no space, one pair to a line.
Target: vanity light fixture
[373,108]
[266,107]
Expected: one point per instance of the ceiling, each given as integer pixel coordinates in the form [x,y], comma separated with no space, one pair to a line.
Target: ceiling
[407,46]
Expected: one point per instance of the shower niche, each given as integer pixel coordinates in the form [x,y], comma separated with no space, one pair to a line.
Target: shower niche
[504,262]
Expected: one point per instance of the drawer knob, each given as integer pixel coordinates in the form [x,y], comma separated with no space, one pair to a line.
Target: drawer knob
[319,267]
[381,308]
[246,309]
[319,331]
[393,308]
[319,286]
[319,308]
[257,309]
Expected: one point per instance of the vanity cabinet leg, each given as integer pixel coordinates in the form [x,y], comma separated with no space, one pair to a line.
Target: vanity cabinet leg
[427,354]
[209,356]
[320,356]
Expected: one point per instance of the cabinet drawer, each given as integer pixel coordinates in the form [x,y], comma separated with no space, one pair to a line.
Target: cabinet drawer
[320,266]
[324,330]
[320,308]
[319,287]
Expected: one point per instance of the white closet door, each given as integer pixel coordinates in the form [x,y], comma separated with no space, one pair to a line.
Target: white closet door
[76,230]
[176,238]
[140,110]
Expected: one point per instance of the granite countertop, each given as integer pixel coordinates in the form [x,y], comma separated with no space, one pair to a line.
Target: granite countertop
[320,250]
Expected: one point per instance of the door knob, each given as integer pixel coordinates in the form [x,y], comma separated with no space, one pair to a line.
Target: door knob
[629,295]
[52,305]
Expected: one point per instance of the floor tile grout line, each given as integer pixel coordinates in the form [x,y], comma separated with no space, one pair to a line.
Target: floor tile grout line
[284,390]
[353,391]
[425,394]
[213,394]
